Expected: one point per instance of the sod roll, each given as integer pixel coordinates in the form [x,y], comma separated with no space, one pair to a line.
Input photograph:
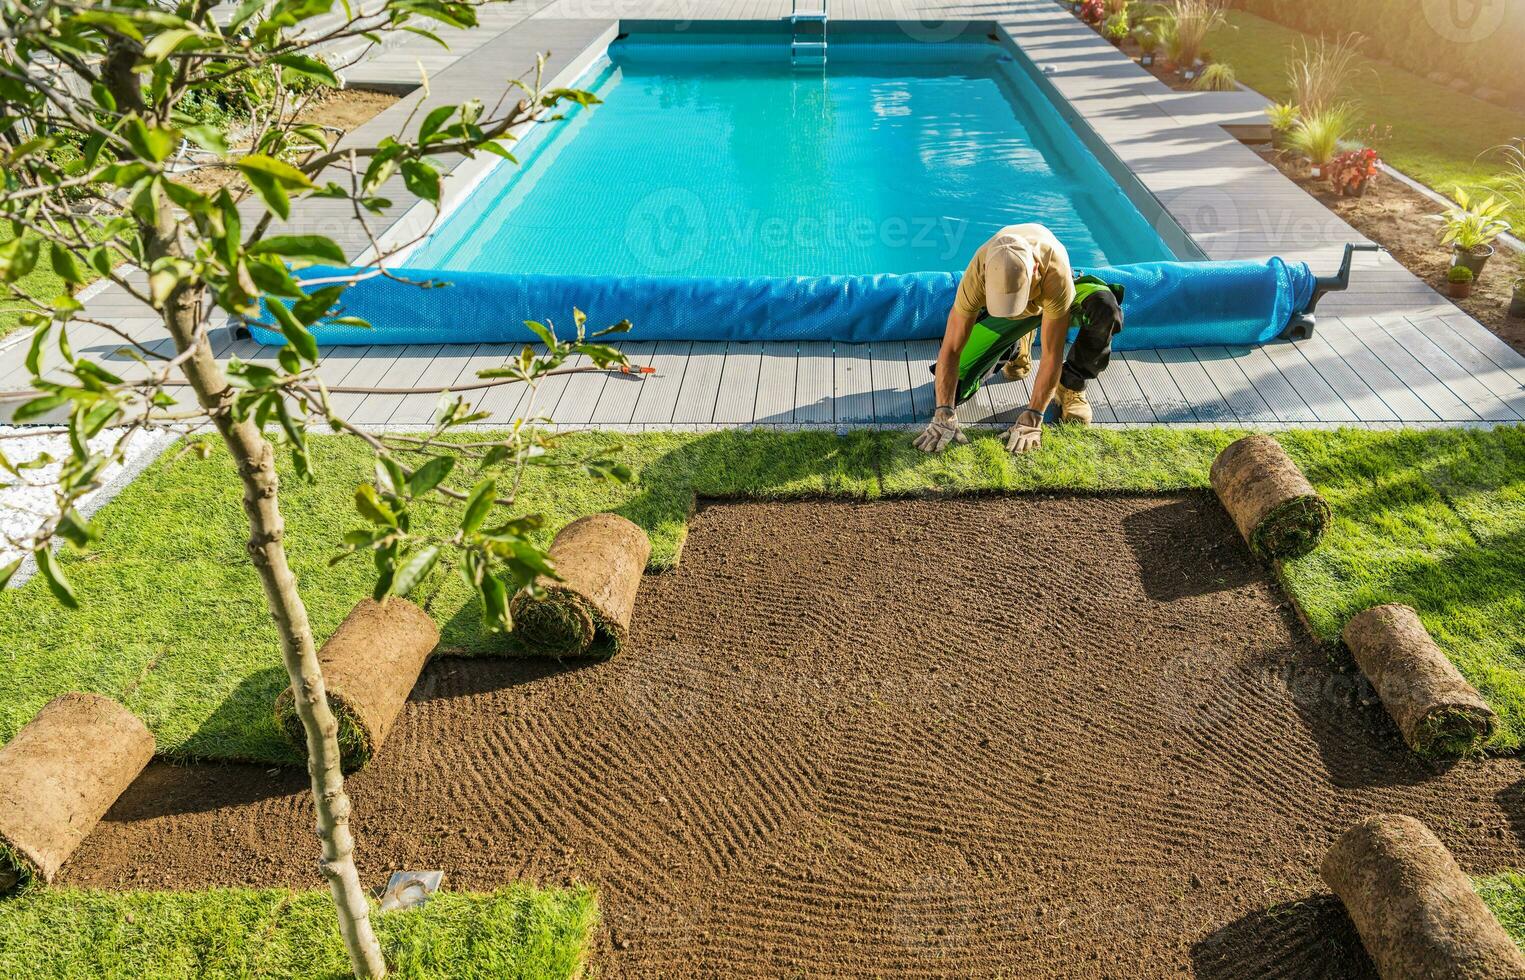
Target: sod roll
[1273,504]
[1415,910]
[586,613]
[1435,708]
[58,776]
[369,665]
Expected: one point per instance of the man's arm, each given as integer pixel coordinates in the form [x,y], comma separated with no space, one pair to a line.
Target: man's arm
[955,339]
[1055,333]
[943,428]
[1027,433]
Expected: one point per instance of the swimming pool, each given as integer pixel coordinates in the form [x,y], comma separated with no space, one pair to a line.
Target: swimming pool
[711,156]
[720,194]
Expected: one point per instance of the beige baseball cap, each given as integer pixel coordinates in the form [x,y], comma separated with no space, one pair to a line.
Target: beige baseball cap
[1009,265]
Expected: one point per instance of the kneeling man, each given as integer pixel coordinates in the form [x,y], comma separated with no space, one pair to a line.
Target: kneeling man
[1022,272]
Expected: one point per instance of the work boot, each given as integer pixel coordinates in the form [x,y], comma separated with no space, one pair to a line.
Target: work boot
[1021,363]
[1073,406]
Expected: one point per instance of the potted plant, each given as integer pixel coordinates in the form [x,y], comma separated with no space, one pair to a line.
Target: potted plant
[1282,116]
[1093,12]
[1116,29]
[1459,280]
[1471,228]
[1317,136]
[1351,173]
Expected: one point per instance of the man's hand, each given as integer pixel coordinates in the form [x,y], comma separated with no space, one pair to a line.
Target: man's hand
[943,429]
[1027,434]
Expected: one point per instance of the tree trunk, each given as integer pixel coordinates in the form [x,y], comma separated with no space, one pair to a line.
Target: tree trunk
[255,459]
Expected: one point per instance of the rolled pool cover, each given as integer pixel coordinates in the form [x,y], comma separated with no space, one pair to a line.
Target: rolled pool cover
[369,665]
[1415,910]
[1167,304]
[586,612]
[1437,711]
[1274,506]
[58,776]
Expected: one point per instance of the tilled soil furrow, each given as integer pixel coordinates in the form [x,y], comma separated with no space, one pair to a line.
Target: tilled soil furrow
[1037,736]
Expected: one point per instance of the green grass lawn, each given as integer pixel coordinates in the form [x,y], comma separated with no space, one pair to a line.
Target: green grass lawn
[41,282]
[519,932]
[1439,137]
[174,623]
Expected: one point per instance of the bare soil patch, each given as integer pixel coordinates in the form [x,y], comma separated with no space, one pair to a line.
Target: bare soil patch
[340,109]
[1051,736]
[1401,220]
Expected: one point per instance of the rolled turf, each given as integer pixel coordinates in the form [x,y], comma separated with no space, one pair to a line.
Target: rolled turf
[1437,711]
[586,611]
[369,665]
[1274,506]
[59,776]
[1415,910]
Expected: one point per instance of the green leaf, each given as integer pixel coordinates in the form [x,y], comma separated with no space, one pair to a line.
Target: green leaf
[38,407]
[421,179]
[543,332]
[58,584]
[66,266]
[271,192]
[371,508]
[285,173]
[295,66]
[478,505]
[317,248]
[415,570]
[163,45]
[495,614]
[151,142]
[8,572]
[434,120]
[430,475]
[34,353]
[75,529]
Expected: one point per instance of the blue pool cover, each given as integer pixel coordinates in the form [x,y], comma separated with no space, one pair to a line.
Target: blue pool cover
[1167,304]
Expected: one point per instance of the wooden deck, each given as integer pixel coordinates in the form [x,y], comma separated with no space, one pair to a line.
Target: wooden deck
[1390,351]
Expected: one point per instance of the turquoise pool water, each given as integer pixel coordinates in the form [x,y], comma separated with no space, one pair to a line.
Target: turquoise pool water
[720,159]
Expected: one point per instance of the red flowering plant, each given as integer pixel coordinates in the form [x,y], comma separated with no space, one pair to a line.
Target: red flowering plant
[1093,11]
[1350,172]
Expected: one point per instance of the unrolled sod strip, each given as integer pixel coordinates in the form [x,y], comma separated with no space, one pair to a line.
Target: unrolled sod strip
[586,613]
[1435,708]
[1415,910]
[1274,506]
[58,776]
[369,665]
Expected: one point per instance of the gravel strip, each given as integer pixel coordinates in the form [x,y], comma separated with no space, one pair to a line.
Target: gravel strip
[25,504]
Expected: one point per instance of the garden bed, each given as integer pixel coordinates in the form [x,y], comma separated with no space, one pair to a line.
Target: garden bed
[1083,733]
[1401,220]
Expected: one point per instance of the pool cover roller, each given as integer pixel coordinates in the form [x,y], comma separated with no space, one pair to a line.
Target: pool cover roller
[1168,304]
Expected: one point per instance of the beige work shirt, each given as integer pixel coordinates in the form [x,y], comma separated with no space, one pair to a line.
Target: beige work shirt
[1052,289]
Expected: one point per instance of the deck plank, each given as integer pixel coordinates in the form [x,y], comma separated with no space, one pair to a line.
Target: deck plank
[740,380]
[1123,393]
[659,392]
[778,374]
[853,384]
[815,384]
[616,402]
[700,391]
[890,374]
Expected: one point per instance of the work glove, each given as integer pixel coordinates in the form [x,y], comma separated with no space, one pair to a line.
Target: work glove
[1027,434]
[942,430]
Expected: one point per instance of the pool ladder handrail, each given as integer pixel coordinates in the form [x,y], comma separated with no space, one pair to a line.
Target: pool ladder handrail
[808,50]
